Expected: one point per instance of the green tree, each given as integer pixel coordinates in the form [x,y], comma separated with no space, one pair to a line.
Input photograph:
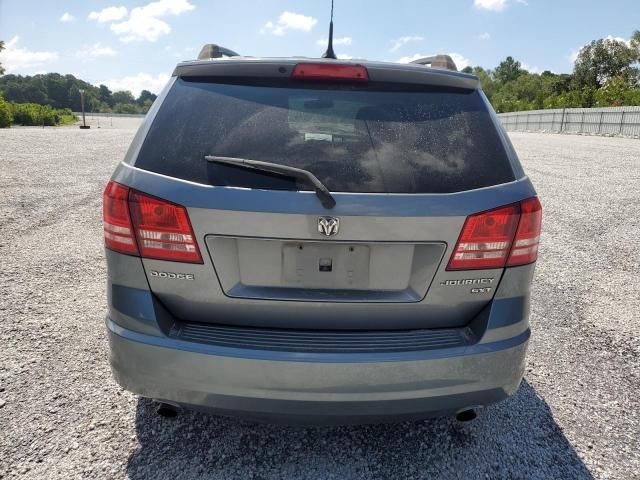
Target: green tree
[105,95]
[6,117]
[613,93]
[603,59]
[144,96]
[508,70]
[123,97]
[486,81]
[126,108]
[63,91]
[634,43]
[57,89]
[1,48]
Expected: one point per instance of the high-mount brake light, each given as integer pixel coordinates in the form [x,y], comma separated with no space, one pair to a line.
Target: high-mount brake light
[118,230]
[330,72]
[139,224]
[163,229]
[505,236]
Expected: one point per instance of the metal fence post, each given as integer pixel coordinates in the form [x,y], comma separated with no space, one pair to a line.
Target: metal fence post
[621,123]
[600,123]
[564,111]
[582,122]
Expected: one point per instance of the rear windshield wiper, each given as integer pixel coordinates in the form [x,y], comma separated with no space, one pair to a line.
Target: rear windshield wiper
[322,192]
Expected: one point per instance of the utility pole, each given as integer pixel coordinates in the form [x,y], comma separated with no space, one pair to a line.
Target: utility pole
[84,121]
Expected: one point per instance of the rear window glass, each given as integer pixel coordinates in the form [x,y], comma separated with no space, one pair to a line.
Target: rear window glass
[368,139]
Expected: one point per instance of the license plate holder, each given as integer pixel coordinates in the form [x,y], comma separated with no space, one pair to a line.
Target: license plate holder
[333,266]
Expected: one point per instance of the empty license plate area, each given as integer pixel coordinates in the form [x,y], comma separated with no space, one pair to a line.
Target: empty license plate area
[324,271]
[331,266]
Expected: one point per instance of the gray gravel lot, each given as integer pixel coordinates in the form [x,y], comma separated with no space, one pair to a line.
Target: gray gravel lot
[62,416]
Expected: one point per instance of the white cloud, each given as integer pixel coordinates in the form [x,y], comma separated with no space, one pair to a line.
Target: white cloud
[141,28]
[459,60]
[494,5]
[484,36]
[402,41]
[144,22]
[336,41]
[15,59]
[344,56]
[109,14]
[619,39]
[411,58]
[530,69]
[289,21]
[573,56]
[67,17]
[96,50]
[136,83]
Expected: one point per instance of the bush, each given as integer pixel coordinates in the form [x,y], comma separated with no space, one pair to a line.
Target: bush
[33,114]
[66,116]
[6,117]
[126,108]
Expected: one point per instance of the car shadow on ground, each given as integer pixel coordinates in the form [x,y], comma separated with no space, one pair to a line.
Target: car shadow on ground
[517,438]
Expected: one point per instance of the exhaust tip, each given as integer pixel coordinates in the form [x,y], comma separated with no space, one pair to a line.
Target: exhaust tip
[167,410]
[466,415]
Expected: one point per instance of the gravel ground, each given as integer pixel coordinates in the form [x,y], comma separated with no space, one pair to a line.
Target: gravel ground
[62,415]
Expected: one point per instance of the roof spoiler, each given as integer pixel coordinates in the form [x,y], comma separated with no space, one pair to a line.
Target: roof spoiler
[438,61]
[211,50]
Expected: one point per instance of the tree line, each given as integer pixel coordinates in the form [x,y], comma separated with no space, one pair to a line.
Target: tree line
[605,74]
[63,91]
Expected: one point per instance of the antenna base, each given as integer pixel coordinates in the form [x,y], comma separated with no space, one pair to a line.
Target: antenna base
[330,53]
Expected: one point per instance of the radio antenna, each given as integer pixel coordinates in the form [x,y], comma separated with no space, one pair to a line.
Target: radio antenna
[330,53]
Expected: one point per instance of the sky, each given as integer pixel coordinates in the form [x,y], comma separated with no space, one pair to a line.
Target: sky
[135,44]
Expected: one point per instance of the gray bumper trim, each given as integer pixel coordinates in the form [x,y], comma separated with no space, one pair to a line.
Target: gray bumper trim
[285,356]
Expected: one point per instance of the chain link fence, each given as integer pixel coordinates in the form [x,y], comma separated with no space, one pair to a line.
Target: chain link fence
[609,121]
[110,120]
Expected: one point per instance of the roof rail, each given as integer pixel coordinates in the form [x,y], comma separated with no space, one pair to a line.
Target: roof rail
[211,50]
[438,61]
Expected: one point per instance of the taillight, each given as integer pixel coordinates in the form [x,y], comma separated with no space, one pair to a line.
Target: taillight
[118,231]
[140,224]
[330,72]
[485,239]
[525,244]
[507,235]
[163,229]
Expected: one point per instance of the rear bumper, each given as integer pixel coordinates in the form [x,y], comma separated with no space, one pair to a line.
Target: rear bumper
[316,388]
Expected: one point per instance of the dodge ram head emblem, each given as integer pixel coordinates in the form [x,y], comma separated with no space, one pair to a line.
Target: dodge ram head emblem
[328,226]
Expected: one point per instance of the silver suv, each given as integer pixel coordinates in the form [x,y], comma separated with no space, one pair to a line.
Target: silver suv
[320,241]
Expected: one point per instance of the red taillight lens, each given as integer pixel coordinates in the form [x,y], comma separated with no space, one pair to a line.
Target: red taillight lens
[118,231]
[505,236]
[331,72]
[485,239]
[163,229]
[525,244]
